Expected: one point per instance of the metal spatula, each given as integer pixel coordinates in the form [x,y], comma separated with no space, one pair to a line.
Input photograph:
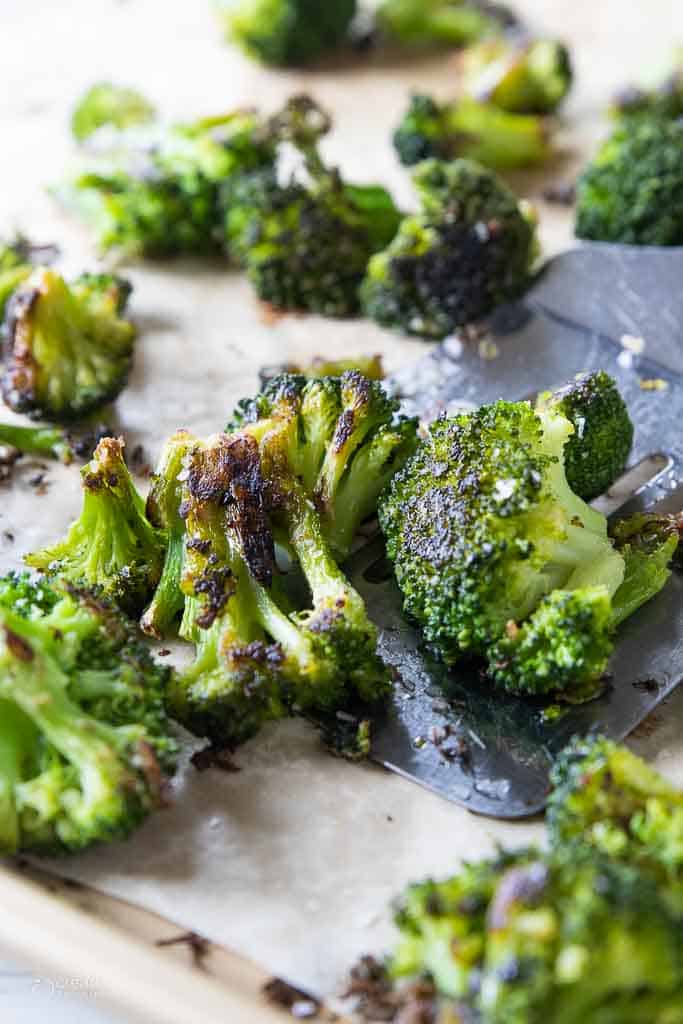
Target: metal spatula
[593,308]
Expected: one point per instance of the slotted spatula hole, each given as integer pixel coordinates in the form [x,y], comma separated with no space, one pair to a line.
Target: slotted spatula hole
[644,473]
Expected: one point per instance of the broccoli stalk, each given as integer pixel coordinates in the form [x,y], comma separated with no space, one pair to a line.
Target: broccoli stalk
[111,545]
[47,441]
[519,76]
[437,23]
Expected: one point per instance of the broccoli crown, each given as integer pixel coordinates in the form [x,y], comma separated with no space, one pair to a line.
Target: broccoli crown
[632,191]
[470,248]
[596,453]
[485,535]
[523,77]
[425,23]
[107,104]
[85,737]
[605,798]
[289,33]
[112,545]
[68,349]
[472,130]
[648,543]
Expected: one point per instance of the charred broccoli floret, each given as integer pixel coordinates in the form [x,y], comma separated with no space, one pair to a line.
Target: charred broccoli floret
[68,348]
[369,366]
[473,130]
[107,104]
[632,191]
[607,799]
[596,453]
[287,33]
[84,738]
[112,545]
[497,557]
[344,439]
[161,197]
[305,244]
[648,543]
[433,23]
[470,248]
[520,76]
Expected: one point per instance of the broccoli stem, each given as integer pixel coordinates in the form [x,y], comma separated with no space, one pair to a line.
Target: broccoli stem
[168,600]
[17,743]
[50,441]
[644,577]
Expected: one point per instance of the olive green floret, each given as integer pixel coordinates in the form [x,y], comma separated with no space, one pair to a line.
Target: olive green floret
[112,545]
[596,453]
[418,24]
[287,33]
[632,191]
[607,799]
[107,104]
[68,347]
[84,739]
[471,247]
[473,130]
[518,75]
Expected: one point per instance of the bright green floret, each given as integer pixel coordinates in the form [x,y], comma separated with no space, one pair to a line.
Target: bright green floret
[632,191]
[107,104]
[112,545]
[473,130]
[84,738]
[68,347]
[287,33]
[520,76]
[596,453]
[471,247]
[438,23]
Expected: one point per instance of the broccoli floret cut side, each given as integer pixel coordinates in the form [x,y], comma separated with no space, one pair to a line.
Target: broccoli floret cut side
[471,248]
[420,24]
[112,545]
[69,349]
[472,130]
[519,76]
[107,104]
[287,33]
[84,737]
[595,455]
[632,191]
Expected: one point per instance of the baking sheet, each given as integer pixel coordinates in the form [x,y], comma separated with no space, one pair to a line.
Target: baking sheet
[293,860]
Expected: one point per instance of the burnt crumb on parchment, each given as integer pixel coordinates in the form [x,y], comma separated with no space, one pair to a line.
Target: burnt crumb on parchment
[8,536]
[449,744]
[300,1004]
[373,997]
[197,944]
[561,193]
[163,652]
[214,757]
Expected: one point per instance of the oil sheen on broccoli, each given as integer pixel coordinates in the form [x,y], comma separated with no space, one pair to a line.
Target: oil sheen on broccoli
[518,75]
[68,347]
[84,739]
[632,190]
[471,247]
[287,33]
[112,545]
[498,558]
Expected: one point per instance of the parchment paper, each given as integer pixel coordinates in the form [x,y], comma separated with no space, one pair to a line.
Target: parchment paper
[292,861]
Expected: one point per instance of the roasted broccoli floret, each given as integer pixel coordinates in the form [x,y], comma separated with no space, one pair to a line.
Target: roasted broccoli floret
[107,104]
[520,76]
[607,799]
[68,348]
[287,33]
[161,197]
[345,440]
[632,191]
[433,23]
[497,557]
[596,453]
[369,366]
[648,543]
[112,545]
[305,244]
[84,739]
[470,248]
[470,129]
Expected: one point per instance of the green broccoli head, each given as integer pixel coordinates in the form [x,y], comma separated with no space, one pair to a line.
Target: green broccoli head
[596,453]
[472,130]
[107,104]
[68,349]
[486,536]
[632,191]
[112,545]
[85,739]
[606,799]
[287,33]
[520,76]
[437,23]
[471,248]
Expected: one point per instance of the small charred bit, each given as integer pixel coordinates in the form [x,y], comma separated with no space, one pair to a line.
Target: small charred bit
[197,944]
[301,1004]
[561,193]
[214,757]
[345,735]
